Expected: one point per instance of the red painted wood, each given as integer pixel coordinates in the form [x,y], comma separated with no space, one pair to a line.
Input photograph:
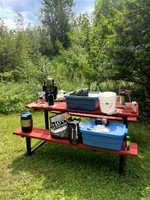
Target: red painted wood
[44,134]
[61,106]
[129,119]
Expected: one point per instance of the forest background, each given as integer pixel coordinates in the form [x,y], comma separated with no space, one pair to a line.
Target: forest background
[108,51]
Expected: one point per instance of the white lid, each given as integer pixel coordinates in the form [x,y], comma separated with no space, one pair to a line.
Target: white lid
[107,94]
[133,102]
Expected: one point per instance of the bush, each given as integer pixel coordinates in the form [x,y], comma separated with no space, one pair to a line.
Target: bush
[14,96]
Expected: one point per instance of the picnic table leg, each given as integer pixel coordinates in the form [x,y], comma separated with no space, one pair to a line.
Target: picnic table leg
[28,140]
[46,119]
[28,145]
[125,121]
[122,159]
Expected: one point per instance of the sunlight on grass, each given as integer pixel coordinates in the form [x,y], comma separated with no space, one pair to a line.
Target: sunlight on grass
[57,171]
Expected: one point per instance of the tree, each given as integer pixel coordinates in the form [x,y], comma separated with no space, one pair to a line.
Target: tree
[56,17]
[107,8]
[46,47]
[87,57]
[7,48]
[130,52]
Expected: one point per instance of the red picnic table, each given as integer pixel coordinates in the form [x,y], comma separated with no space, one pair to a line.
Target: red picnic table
[126,116]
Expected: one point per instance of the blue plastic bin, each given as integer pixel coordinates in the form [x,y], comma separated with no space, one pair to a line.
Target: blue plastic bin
[112,140]
[90,102]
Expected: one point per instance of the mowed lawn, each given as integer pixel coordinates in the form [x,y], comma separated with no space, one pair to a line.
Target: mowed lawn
[59,172]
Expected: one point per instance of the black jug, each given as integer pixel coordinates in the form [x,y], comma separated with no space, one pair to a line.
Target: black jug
[50,99]
[26,122]
[74,131]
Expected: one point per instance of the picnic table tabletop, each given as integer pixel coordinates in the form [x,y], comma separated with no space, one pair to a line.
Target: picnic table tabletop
[62,106]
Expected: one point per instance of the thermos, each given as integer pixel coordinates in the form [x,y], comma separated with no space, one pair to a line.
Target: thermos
[122,94]
[74,131]
[50,99]
[48,88]
[49,85]
[26,122]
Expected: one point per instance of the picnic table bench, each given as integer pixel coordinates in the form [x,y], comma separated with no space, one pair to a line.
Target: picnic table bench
[44,134]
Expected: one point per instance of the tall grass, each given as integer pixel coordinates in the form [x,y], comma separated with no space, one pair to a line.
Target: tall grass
[14,95]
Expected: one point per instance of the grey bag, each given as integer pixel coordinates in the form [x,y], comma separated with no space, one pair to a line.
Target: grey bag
[59,125]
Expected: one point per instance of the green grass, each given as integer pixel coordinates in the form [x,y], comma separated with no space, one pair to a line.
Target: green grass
[59,172]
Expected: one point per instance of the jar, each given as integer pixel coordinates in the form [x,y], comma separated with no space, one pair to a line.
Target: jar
[134,106]
[26,122]
[128,141]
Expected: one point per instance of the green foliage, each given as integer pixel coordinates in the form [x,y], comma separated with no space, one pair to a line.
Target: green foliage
[14,96]
[105,52]
[107,8]
[131,52]
[55,17]
[7,48]
[88,54]
[114,46]
[46,47]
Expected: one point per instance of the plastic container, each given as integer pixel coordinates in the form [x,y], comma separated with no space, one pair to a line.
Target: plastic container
[128,141]
[26,122]
[107,102]
[90,102]
[134,106]
[111,140]
[74,131]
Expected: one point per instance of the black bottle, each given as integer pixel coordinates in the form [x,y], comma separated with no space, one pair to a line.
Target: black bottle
[50,99]
[26,122]
[74,131]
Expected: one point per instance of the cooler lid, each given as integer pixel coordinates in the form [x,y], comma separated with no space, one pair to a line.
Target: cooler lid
[90,95]
[115,129]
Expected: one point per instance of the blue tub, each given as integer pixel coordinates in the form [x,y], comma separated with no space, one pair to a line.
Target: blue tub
[90,102]
[112,140]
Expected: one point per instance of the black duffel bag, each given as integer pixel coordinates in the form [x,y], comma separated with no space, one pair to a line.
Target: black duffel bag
[59,125]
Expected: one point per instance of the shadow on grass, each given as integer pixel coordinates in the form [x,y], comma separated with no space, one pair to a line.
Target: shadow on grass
[67,167]
[72,169]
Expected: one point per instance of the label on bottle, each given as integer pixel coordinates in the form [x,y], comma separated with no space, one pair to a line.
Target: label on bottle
[134,106]
[72,134]
[26,123]
[127,144]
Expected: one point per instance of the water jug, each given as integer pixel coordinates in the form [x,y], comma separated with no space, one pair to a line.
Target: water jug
[26,122]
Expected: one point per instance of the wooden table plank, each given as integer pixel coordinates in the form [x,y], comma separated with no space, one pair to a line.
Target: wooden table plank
[61,106]
[44,134]
[129,119]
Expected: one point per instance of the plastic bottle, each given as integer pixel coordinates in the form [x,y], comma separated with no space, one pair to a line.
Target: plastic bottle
[134,106]
[26,122]
[128,141]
